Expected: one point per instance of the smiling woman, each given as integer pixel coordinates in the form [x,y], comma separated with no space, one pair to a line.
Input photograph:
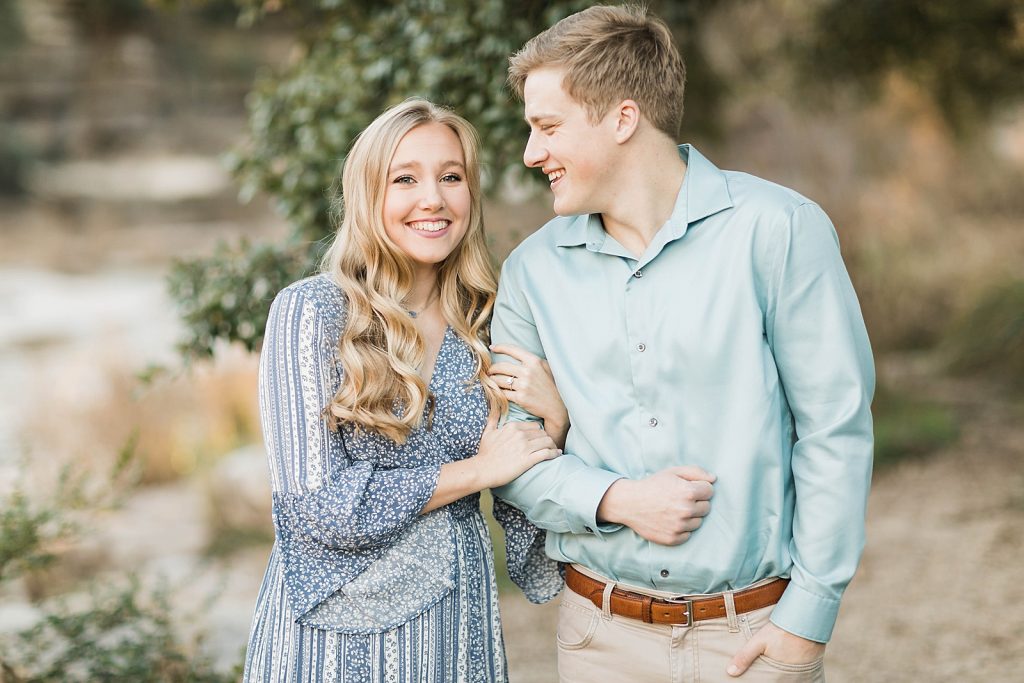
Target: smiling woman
[427,201]
[380,421]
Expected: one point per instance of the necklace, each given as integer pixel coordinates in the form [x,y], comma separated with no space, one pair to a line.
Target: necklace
[430,301]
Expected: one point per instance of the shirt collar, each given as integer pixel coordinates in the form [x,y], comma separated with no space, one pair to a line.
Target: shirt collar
[705,191]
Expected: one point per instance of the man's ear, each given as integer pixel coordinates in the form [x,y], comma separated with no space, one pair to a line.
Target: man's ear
[627,120]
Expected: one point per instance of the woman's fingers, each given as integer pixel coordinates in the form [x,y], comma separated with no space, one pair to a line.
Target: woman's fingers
[545,454]
[508,369]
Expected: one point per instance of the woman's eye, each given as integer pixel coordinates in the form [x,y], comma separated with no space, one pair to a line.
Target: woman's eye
[451,178]
[403,179]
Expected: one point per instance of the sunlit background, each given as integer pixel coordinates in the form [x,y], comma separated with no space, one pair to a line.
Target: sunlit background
[164,169]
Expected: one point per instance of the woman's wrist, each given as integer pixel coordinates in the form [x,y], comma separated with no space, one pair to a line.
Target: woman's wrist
[559,423]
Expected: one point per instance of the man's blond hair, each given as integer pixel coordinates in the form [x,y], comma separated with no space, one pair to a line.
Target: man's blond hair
[610,54]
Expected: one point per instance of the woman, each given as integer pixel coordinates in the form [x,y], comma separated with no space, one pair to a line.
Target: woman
[380,421]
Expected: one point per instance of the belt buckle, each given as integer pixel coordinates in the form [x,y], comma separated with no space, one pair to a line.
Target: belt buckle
[689,609]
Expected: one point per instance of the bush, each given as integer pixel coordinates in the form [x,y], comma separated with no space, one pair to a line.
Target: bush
[989,339]
[356,59]
[909,427]
[118,634]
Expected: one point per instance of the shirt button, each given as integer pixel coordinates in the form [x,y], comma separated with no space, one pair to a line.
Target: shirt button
[641,347]
[664,573]
[638,273]
[588,529]
[653,422]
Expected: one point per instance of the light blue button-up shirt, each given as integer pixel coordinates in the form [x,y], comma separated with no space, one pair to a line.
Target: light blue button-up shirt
[735,343]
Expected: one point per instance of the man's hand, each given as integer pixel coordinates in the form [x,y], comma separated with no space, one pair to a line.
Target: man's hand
[664,508]
[772,641]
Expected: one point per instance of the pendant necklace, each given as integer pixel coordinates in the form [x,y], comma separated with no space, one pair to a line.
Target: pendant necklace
[430,301]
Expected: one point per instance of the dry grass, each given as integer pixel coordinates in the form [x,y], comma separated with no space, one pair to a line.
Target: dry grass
[177,422]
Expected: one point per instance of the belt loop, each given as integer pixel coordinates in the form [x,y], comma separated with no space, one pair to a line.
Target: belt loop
[730,612]
[606,600]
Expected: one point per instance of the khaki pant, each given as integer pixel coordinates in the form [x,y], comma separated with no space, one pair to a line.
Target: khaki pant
[599,647]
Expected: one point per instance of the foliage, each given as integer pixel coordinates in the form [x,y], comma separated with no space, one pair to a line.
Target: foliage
[15,157]
[358,58]
[11,28]
[120,635]
[969,56]
[908,427]
[990,339]
[228,295]
[30,528]
[25,533]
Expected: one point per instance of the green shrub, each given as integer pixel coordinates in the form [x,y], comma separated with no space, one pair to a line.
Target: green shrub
[125,633]
[989,339]
[122,634]
[910,427]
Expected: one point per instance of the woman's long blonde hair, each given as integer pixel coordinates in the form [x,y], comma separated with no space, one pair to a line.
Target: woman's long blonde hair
[381,350]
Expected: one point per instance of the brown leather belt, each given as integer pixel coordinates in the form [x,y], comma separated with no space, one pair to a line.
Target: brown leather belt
[675,611]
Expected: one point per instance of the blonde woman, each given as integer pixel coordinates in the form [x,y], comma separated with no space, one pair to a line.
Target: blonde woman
[380,422]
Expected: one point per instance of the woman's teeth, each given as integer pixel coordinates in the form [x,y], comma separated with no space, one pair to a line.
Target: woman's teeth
[429,226]
[555,175]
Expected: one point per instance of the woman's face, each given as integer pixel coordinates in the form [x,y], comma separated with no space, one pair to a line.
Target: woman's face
[427,201]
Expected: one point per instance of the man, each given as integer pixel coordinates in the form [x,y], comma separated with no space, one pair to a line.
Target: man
[705,337]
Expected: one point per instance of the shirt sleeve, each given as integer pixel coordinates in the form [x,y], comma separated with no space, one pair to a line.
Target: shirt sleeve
[816,332]
[560,495]
[332,515]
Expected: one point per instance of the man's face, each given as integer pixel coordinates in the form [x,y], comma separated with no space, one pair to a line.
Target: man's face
[574,154]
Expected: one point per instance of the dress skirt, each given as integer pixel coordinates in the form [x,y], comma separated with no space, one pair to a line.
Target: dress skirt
[457,639]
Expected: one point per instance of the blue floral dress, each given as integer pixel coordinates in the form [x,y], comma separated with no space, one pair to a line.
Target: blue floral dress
[360,586]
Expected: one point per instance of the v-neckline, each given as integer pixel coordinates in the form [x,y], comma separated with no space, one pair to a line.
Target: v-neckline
[437,356]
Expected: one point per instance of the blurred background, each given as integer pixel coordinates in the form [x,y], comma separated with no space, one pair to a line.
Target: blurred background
[164,167]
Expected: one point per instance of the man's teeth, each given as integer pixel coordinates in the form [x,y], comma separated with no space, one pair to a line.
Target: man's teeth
[429,226]
[555,175]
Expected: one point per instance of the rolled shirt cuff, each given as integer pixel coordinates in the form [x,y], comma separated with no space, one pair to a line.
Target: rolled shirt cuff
[806,614]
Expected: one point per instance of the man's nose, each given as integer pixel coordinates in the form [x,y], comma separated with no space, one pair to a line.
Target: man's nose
[534,154]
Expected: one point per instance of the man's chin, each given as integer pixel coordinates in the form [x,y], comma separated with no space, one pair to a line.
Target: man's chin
[567,208]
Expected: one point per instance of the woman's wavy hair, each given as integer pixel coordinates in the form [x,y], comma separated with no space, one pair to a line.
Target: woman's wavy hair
[380,348]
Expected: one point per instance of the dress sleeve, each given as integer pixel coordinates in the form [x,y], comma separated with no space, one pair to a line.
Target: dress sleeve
[333,515]
[538,576]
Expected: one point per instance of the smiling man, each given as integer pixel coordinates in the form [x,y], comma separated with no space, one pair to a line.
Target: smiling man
[709,347]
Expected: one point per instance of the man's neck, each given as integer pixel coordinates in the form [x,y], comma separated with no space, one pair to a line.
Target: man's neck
[645,197]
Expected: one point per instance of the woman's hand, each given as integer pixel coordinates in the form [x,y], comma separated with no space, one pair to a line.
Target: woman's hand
[530,385]
[505,452]
[508,451]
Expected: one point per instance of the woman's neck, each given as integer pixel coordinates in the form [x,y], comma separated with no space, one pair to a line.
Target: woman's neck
[424,289]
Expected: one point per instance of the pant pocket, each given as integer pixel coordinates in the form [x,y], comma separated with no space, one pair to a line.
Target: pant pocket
[784,667]
[577,622]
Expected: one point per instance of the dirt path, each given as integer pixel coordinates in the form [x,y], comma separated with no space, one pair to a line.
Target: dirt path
[940,591]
